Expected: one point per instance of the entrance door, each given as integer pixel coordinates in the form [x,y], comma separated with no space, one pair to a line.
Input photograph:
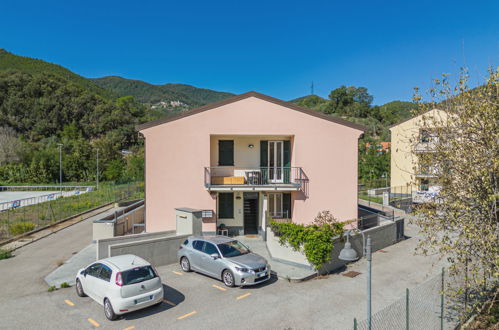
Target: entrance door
[276,161]
[250,213]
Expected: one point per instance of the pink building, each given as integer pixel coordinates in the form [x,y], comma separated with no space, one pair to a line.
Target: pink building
[249,158]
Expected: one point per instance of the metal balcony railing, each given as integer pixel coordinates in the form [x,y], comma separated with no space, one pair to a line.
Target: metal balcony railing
[292,177]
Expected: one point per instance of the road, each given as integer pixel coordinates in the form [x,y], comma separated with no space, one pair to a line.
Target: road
[194,301]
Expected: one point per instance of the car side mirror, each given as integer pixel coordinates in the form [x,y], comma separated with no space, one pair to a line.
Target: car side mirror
[84,273]
[214,256]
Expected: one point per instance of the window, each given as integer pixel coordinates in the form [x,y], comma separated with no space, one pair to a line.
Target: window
[226,205]
[137,275]
[197,245]
[233,249]
[210,249]
[105,273]
[279,205]
[226,153]
[185,242]
[94,270]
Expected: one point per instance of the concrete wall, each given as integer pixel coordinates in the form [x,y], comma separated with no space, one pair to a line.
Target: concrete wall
[102,230]
[178,151]
[104,244]
[158,251]
[381,236]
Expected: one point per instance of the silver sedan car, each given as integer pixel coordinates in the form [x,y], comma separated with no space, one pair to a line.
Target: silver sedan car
[223,258]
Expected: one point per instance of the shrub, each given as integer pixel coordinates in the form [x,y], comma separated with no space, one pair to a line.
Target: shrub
[5,254]
[22,227]
[316,240]
[52,288]
[64,285]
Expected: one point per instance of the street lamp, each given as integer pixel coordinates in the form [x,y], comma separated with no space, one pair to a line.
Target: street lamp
[349,254]
[60,164]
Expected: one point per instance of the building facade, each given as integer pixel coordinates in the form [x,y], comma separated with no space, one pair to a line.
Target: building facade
[247,159]
[410,139]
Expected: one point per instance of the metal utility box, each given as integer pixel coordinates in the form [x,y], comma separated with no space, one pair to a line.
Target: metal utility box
[189,221]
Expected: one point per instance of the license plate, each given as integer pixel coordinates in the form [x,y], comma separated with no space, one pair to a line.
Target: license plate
[262,274]
[138,301]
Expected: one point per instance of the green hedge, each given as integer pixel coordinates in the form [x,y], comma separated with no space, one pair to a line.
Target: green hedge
[315,240]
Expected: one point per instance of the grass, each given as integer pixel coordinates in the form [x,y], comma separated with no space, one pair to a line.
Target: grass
[64,285]
[16,221]
[18,228]
[51,288]
[374,199]
[5,254]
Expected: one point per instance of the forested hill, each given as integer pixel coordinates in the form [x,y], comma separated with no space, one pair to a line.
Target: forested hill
[32,66]
[355,104]
[167,96]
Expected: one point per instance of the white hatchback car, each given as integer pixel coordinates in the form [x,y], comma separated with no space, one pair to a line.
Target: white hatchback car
[121,284]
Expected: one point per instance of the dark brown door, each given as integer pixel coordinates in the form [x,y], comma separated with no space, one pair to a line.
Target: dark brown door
[250,213]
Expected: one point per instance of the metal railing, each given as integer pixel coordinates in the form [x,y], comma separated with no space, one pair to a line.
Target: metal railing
[256,176]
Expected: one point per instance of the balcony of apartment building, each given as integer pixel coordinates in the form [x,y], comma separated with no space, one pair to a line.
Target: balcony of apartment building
[427,141]
[426,172]
[255,163]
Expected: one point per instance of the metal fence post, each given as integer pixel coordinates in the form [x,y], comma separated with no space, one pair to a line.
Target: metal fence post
[407,309]
[442,302]
[354,323]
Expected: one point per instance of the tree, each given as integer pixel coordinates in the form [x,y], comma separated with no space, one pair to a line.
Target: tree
[461,224]
[9,145]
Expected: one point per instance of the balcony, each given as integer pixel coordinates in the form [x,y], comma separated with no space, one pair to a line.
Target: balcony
[427,172]
[221,178]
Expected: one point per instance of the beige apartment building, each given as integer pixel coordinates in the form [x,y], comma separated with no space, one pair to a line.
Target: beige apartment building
[410,139]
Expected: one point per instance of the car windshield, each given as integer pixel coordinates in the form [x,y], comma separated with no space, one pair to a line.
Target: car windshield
[233,249]
[137,275]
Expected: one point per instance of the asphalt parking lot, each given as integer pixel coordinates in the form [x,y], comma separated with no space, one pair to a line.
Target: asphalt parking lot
[190,299]
[195,301]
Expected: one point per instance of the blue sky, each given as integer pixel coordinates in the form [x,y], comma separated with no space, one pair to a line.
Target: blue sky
[274,47]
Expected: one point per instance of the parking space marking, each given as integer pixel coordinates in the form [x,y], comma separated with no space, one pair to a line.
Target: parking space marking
[69,302]
[130,328]
[93,322]
[169,302]
[243,296]
[219,287]
[174,272]
[186,315]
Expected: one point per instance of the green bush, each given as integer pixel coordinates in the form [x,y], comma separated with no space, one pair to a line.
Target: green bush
[5,254]
[64,285]
[52,288]
[22,227]
[315,240]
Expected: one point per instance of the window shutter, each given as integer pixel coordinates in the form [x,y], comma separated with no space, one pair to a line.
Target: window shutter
[286,204]
[226,205]
[226,153]
[286,160]
[264,153]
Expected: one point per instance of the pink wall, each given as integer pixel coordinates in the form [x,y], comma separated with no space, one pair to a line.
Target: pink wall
[178,151]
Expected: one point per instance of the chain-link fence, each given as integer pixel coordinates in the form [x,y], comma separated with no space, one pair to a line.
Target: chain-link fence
[422,307]
[16,221]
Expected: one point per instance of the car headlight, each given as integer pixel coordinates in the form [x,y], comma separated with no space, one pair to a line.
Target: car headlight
[242,269]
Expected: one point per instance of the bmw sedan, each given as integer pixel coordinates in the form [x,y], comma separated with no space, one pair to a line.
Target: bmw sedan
[223,258]
[121,284]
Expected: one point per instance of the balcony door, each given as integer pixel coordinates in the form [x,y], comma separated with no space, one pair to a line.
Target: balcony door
[276,161]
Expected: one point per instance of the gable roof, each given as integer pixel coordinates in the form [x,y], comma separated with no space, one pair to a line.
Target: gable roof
[260,96]
[412,117]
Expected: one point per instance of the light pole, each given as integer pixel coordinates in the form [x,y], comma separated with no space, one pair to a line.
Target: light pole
[349,254]
[97,173]
[60,164]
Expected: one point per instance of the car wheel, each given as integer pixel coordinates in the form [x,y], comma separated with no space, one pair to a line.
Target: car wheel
[108,310]
[79,289]
[185,264]
[228,278]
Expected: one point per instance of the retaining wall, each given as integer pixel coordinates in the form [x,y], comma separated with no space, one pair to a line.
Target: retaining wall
[103,245]
[158,251]
[381,236]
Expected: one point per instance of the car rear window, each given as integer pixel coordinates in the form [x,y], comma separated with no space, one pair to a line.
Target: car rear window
[137,275]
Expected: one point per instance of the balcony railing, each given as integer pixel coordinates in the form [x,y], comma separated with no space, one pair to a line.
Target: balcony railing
[279,177]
